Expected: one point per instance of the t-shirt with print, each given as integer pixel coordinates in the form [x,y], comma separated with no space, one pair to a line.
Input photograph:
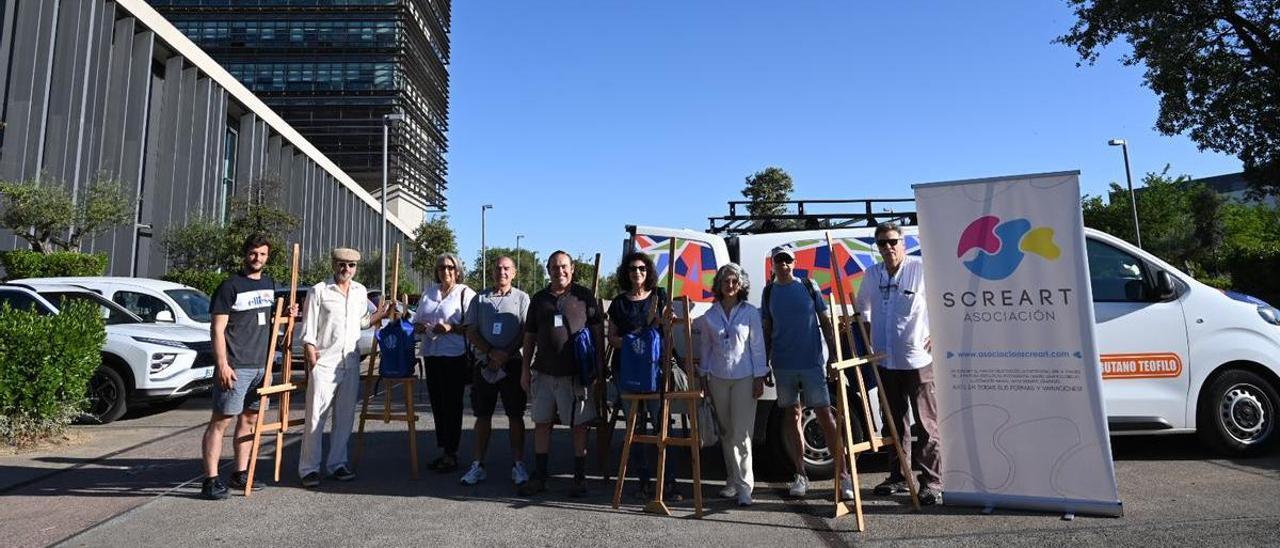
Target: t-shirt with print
[247,304]
[796,339]
[630,316]
[577,308]
[499,318]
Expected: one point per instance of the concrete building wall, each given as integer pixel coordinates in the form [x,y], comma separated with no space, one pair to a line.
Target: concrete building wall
[99,88]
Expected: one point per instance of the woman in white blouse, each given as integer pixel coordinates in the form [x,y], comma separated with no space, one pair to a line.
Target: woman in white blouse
[733,363]
[438,322]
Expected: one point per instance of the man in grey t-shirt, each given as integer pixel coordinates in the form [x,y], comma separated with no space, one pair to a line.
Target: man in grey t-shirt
[495,327]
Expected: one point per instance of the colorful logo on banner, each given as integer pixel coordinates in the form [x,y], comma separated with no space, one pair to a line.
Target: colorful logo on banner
[854,255]
[1002,246]
[695,265]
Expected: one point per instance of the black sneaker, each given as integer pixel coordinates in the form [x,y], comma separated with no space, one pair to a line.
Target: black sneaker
[214,489]
[241,479]
[534,486]
[343,474]
[311,480]
[579,488]
[929,496]
[890,487]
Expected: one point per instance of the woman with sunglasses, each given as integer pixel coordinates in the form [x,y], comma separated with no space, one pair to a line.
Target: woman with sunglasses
[438,322]
[733,362]
[640,306]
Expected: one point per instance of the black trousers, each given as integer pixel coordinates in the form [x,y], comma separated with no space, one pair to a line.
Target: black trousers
[447,378]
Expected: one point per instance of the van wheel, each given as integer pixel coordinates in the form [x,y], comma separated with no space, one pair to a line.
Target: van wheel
[818,464]
[1237,414]
[107,392]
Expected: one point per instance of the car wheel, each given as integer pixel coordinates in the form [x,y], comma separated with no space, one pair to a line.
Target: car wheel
[1237,414]
[107,392]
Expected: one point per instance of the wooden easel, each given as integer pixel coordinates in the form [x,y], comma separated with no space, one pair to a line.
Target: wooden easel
[600,394]
[840,302]
[286,386]
[372,377]
[692,396]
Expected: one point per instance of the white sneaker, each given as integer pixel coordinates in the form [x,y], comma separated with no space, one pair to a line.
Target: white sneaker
[519,475]
[799,486]
[475,474]
[744,499]
[846,488]
[728,492]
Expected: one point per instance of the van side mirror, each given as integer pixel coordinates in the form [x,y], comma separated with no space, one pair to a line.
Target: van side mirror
[164,316]
[1165,288]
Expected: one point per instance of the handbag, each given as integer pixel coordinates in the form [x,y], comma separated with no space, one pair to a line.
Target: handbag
[708,426]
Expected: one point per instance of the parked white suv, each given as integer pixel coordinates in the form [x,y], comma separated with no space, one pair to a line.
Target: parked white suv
[140,361]
[152,300]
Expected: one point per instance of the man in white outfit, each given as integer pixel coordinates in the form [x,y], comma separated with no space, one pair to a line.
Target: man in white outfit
[337,310]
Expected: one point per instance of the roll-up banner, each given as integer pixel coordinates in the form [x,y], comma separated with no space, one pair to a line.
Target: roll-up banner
[1018,379]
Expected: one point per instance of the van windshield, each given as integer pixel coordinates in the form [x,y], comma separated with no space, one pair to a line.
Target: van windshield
[193,301]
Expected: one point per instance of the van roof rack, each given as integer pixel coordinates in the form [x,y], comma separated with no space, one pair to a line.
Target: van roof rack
[814,215]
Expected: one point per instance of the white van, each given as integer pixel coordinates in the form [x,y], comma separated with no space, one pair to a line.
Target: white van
[1178,356]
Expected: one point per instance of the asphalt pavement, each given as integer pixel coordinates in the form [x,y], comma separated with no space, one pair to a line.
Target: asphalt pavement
[136,483]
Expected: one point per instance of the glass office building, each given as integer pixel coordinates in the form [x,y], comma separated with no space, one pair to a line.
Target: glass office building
[333,69]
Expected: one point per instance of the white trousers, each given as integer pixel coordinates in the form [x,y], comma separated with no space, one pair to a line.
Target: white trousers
[332,390]
[735,406]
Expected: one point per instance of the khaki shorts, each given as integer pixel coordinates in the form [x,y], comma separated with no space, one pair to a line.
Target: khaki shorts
[551,394]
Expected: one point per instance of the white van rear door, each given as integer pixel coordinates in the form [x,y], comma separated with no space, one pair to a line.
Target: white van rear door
[1143,344]
[698,255]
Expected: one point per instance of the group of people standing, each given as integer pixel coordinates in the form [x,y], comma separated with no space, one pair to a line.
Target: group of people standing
[519,349]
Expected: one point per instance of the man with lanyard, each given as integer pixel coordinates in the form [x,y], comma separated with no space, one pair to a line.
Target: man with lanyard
[795,326]
[892,292]
[495,321]
[242,309]
[556,313]
[337,310]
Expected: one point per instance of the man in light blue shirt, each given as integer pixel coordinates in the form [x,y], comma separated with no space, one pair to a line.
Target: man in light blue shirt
[795,326]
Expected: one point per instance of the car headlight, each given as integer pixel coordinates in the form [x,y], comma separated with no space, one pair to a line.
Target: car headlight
[1269,314]
[161,342]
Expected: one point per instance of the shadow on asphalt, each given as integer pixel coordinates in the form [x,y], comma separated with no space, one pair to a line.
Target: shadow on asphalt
[1182,447]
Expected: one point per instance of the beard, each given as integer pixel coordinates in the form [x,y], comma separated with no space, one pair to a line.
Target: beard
[342,276]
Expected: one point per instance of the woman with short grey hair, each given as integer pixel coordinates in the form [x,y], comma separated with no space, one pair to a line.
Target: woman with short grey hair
[733,362]
[439,323]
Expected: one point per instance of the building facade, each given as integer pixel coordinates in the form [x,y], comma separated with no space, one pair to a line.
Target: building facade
[333,69]
[110,87]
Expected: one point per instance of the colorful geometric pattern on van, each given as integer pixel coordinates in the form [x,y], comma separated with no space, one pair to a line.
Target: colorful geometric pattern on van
[695,265]
[854,255]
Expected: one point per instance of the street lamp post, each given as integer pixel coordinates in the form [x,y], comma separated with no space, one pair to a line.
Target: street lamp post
[518,236]
[484,249]
[387,119]
[1133,199]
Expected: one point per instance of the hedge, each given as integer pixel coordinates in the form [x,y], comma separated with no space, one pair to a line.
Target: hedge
[45,366]
[204,280]
[24,263]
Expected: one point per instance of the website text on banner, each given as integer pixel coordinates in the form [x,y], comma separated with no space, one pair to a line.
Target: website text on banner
[1018,375]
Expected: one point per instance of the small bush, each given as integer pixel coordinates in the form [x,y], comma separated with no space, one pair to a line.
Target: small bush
[22,263]
[45,366]
[70,263]
[204,280]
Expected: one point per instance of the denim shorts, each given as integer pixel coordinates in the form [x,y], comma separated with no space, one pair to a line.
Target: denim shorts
[810,382]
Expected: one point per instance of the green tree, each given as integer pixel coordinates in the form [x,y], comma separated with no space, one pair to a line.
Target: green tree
[199,245]
[531,273]
[1215,67]
[430,239]
[771,185]
[258,210]
[1164,213]
[49,218]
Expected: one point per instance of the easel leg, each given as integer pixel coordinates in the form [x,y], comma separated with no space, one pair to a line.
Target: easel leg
[695,450]
[626,454]
[411,416]
[658,505]
[364,413]
[257,444]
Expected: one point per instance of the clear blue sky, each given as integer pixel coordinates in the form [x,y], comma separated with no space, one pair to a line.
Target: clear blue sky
[575,118]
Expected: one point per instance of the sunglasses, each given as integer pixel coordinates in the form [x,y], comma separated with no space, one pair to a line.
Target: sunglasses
[345,264]
[890,242]
[784,260]
[638,268]
[446,267]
